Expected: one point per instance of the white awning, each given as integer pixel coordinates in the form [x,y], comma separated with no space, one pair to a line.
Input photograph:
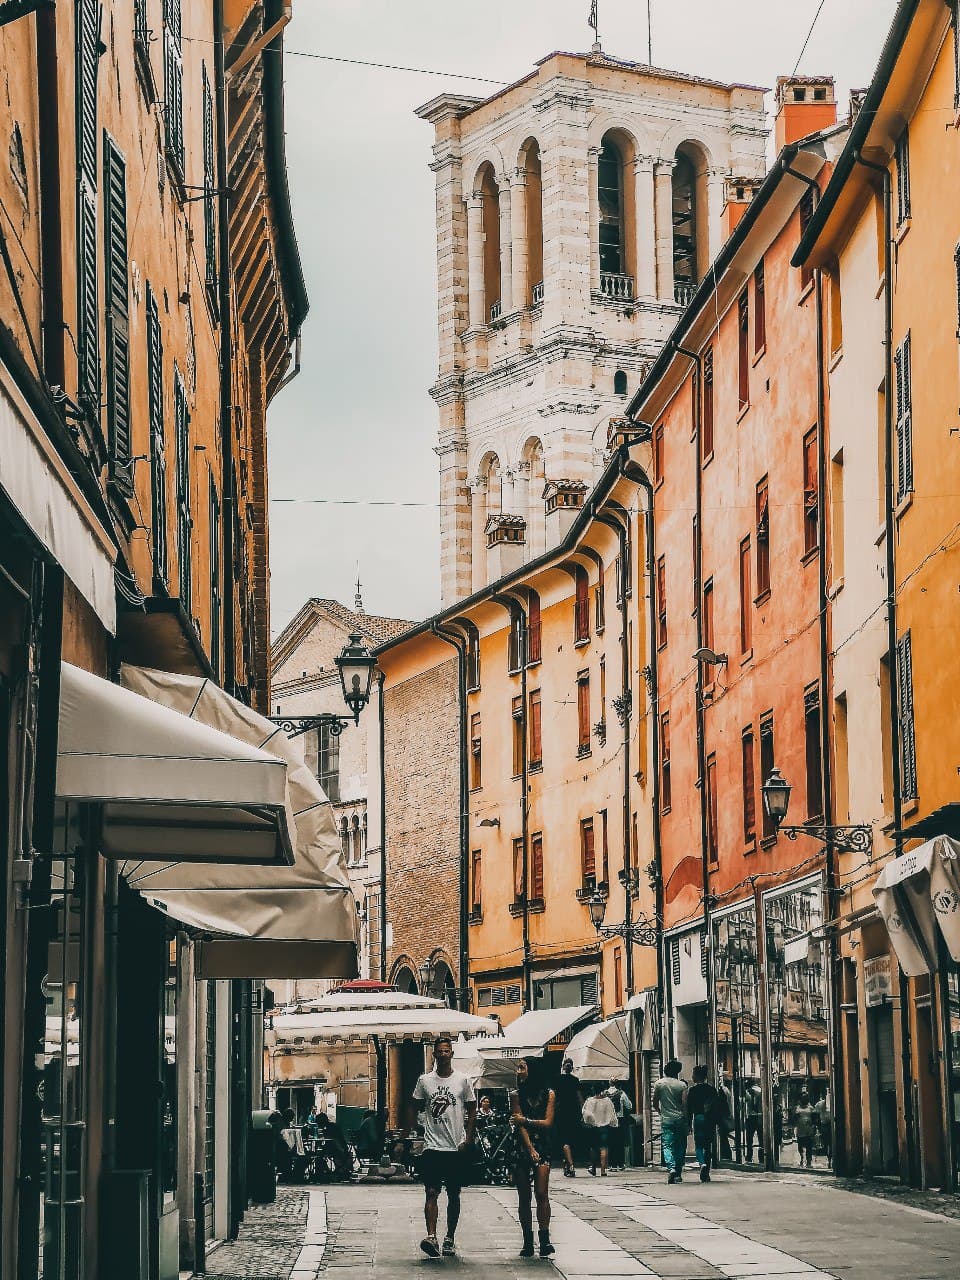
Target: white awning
[342,1019]
[297,921]
[531,1033]
[917,892]
[171,789]
[49,501]
[601,1051]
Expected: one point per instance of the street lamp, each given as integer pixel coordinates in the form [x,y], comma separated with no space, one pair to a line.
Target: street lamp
[776,801]
[426,976]
[356,665]
[642,931]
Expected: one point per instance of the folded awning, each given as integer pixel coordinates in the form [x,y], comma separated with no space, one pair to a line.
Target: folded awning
[531,1033]
[916,893]
[171,789]
[338,1020]
[296,921]
[601,1051]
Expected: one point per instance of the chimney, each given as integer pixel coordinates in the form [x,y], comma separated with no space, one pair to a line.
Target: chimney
[805,104]
[563,500]
[738,192]
[506,536]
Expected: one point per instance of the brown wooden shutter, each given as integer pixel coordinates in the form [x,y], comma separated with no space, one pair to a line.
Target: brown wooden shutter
[536,867]
[158,447]
[588,857]
[536,735]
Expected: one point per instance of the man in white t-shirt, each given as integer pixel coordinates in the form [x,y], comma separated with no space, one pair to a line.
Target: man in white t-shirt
[448,1108]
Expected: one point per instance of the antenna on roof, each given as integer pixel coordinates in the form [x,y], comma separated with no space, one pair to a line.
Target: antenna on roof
[649,34]
[594,22]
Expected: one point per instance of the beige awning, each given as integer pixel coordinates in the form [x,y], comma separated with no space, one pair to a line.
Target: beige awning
[916,893]
[390,1016]
[171,789]
[296,921]
[601,1051]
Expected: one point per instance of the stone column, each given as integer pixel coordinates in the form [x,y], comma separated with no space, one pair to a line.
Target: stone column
[593,158]
[645,219]
[518,236]
[664,204]
[475,260]
[506,248]
[716,198]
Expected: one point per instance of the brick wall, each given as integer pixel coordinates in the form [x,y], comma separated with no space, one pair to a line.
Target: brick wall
[422,772]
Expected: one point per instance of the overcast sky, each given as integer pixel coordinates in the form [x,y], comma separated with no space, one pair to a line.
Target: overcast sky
[358,423]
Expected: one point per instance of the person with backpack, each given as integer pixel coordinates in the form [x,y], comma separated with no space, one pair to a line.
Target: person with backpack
[705,1108]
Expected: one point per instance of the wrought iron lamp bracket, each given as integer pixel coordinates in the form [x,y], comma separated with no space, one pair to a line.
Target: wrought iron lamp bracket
[853,839]
[293,726]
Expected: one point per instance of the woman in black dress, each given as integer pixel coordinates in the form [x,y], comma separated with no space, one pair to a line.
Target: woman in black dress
[531,1114]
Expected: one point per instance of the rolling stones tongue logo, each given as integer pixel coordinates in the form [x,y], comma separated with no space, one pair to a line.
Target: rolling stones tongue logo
[442,1100]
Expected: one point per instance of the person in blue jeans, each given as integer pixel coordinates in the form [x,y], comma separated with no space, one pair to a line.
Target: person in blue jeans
[670,1099]
[704,1110]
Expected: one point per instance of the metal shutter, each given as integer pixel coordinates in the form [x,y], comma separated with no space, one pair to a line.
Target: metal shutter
[908,740]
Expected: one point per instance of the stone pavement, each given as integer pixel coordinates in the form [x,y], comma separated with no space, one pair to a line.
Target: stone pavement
[630,1225]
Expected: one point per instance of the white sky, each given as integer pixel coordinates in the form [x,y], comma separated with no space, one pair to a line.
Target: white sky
[358,423]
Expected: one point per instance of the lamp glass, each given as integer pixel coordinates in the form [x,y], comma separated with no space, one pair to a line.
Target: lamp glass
[598,909]
[356,665]
[776,796]
[426,977]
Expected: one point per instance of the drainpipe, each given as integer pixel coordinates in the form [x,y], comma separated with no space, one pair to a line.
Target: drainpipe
[517,610]
[458,643]
[51,231]
[381,741]
[697,360]
[889,529]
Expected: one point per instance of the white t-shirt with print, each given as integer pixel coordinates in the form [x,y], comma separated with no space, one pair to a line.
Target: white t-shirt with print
[444,1115]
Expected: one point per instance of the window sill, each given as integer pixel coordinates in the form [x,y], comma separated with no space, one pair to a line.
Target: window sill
[904,505]
[586,891]
[582,642]
[805,292]
[708,458]
[583,753]
[758,355]
[535,766]
[665,810]
[513,671]
[516,908]
[902,228]
[475,917]
[533,662]
[536,906]
[835,358]
[768,841]
[743,411]
[746,657]
[762,598]
[810,556]
[473,688]
[750,847]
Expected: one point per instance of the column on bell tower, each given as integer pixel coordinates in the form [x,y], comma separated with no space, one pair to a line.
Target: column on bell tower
[475,288]
[664,206]
[518,237]
[645,224]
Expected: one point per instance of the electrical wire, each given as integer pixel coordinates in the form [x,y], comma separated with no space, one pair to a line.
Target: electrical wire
[803,47]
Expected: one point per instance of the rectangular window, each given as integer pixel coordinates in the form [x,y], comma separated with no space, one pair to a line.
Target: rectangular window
[706,415]
[658,446]
[158,447]
[618,977]
[743,349]
[476,883]
[173,83]
[908,739]
[328,762]
[666,793]
[814,751]
[661,602]
[515,645]
[746,598]
[903,365]
[583,713]
[216,586]
[763,539]
[807,206]
[209,192]
[604,848]
[707,623]
[536,867]
[582,607]
[88,309]
[516,715]
[603,692]
[713,848]
[759,308]
[476,753]
[534,636]
[473,658]
[116,298]
[766,765]
[181,421]
[600,606]
[588,856]
[902,158]
[811,493]
[518,870]
[536,734]
[749,780]
[842,756]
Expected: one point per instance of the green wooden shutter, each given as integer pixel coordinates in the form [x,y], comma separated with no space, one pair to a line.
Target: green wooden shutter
[116,294]
[173,81]
[904,418]
[908,740]
[184,520]
[158,446]
[209,190]
[88,338]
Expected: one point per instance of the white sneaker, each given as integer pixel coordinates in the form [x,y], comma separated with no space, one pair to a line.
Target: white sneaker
[430,1247]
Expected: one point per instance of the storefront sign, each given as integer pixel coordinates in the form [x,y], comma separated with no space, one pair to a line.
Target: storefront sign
[877,981]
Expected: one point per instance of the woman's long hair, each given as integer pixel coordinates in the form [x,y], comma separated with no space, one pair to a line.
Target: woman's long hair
[534,1089]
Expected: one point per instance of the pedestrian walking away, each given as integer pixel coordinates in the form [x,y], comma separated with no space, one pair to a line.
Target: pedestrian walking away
[568,1109]
[705,1108]
[619,1134]
[532,1114]
[599,1119]
[446,1101]
[805,1121]
[670,1099]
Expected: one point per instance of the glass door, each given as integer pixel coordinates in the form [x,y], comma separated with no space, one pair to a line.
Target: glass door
[734,952]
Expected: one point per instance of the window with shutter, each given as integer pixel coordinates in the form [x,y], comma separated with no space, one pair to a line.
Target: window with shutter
[583,713]
[713,844]
[476,882]
[476,747]
[811,493]
[588,857]
[173,83]
[533,629]
[759,308]
[743,350]
[661,602]
[184,520]
[536,734]
[908,741]
[763,538]
[746,613]
[215,585]
[582,606]
[955,27]
[518,876]
[814,751]
[956,272]
[675,961]
[766,767]
[749,787]
[116,296]
[706,420]
[666,796]
[536,867]
[158,447]
[209,189]
[88,336]
[902,155]
[904,418]
[516,719]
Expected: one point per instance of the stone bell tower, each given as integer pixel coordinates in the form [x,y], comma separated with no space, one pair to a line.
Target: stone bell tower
[576,211]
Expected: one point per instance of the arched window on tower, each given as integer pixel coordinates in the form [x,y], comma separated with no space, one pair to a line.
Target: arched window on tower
[491,243]
[357,844]
[345,838]
[532,469]
[620,383]
[616,208]
[530,163]
[487,501]
[690,246]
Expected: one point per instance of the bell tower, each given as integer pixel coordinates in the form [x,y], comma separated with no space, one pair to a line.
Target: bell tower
[576,211]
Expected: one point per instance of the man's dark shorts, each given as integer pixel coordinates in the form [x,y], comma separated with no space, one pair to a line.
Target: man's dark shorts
[442,1169]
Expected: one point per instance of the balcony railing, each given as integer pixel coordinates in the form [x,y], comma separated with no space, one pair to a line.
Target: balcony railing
[496,311]
[537,293]
[683,293]
[616,287]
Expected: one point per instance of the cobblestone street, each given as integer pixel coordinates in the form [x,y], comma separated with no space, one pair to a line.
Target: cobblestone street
[753,1227]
